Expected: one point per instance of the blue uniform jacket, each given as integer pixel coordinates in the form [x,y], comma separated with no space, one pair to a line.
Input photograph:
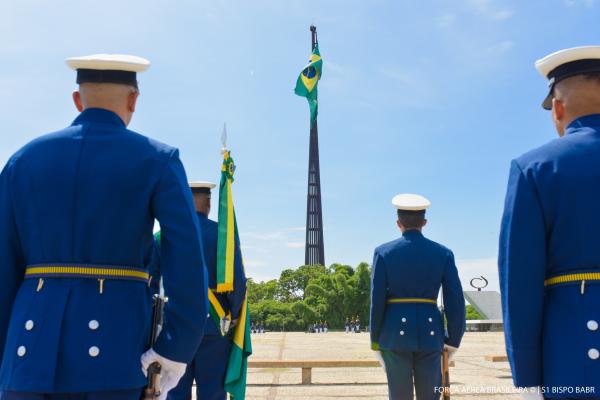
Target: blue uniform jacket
[415,267]
[232,301]
[89,194]
[551,226]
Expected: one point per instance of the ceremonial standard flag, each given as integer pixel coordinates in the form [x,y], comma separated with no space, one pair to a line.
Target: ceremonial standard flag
[306,85]
[235,377]
[228,233]
[237,366]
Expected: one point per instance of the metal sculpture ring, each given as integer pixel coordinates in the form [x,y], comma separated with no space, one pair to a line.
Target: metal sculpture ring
[482,285]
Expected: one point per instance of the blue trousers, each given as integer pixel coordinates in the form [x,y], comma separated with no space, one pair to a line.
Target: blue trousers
[207,369]
[405,369]
[132,394]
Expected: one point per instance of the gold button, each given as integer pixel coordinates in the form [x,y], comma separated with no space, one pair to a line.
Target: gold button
[29,325]
[21,351]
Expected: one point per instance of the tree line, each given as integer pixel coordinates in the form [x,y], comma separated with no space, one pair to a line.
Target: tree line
[312,293]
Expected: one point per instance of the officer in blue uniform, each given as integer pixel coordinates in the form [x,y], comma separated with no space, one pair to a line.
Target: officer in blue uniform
[77,208]
[406,325]
[210,362]
[549,255]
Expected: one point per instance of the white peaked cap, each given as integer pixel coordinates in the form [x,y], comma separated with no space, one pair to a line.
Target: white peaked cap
[202,185]
[552,61]
[410,202]
[116,62]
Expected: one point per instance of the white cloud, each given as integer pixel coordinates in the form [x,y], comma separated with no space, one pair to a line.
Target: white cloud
[501,48]
[277,235]
[489,9]
[335,68]
[253,263]
[408,86]
[585,3]
[266,253]
[339,77]
[446,20]
[297,229]
[256,249]
[274,235]
[262,278]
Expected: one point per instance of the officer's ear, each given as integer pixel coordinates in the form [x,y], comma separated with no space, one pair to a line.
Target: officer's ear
[77,100]
[132,100]
[400,225]
[424,222]
[558,115]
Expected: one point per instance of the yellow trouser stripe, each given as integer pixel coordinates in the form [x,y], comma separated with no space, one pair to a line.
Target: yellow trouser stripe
[411,300]
[78,271]
[584,276]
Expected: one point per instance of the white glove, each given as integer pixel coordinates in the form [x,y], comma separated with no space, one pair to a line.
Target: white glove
[532,393]
[170,371]
[451,351]
[379,358]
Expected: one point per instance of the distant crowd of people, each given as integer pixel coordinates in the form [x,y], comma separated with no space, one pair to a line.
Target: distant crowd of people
[318,327]
[258,327]
[352,325]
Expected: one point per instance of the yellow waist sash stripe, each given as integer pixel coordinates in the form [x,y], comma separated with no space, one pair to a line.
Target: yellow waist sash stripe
[85,272]
[215,303]
[411,300]
[569,278]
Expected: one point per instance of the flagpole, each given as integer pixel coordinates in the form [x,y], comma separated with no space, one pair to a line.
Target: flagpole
[314,252]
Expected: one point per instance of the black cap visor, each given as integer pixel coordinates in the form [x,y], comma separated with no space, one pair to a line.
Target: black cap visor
[547,103]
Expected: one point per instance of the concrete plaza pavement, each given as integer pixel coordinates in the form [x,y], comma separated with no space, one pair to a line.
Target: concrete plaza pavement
[472,377]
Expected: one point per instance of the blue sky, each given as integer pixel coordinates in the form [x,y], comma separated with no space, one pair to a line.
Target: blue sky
[432,97]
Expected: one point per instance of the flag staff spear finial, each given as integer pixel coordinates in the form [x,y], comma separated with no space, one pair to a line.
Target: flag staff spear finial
[313,29]
[224,138]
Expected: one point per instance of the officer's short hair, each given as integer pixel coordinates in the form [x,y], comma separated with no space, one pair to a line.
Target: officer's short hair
[412,219]
[204,191]
[592,76]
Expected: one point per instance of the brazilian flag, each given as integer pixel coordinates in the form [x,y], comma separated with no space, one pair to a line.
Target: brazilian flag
[237,367]
[227,229]
[306,85]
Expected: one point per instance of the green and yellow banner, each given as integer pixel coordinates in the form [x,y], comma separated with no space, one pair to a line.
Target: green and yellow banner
[237,366]
[227,231]
[235,377]
[306,85]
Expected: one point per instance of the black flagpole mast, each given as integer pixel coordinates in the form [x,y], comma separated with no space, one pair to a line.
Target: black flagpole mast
[314,250]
